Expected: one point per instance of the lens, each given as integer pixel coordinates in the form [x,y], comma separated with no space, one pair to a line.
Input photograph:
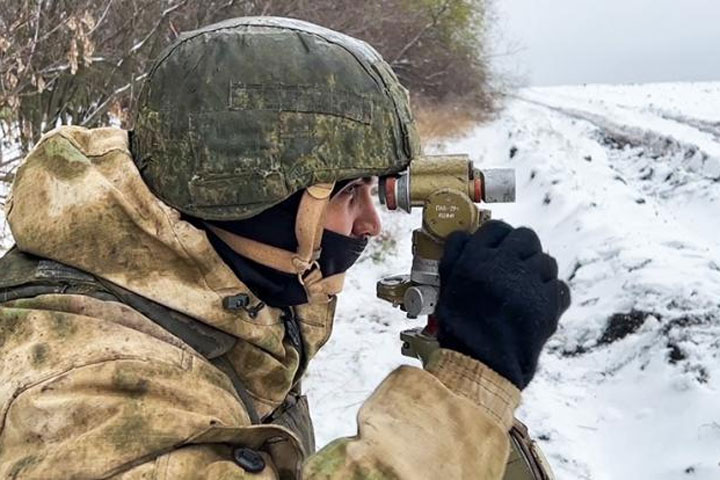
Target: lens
[402,192]
[389,192]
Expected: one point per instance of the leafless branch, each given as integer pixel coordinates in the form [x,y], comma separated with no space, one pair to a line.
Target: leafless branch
[37,29]
[102,17]
[413,41]
[7,177]
[160,21]
[103,106]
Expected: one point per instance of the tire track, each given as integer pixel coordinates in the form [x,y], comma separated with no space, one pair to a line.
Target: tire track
[705,126]
[655,144]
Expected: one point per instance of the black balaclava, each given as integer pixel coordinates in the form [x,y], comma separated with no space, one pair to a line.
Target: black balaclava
[276,227]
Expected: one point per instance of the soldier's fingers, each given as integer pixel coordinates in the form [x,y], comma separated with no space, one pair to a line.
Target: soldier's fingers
[564,294]
[524,242]
[544,265]
[454,247]
[490,235]
[559,292]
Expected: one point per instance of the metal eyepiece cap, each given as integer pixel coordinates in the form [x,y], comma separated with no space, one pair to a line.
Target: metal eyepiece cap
[403,192]
[499,185]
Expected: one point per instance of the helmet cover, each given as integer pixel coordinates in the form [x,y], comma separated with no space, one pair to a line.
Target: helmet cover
[237,116]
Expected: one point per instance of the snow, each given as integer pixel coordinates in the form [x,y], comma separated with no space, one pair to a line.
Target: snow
[622,185]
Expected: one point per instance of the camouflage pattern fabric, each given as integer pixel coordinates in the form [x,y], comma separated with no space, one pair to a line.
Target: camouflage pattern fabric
[237,116]
[91,388]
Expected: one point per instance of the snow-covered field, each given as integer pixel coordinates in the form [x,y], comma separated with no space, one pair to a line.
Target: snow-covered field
[623,185]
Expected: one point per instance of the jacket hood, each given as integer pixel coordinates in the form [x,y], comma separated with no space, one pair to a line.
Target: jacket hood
[79,199]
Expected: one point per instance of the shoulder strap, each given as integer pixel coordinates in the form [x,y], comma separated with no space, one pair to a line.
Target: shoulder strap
[526,461]
[294,414]
[208,341]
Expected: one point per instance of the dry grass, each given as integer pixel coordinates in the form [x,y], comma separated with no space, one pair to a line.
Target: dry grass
[446,120]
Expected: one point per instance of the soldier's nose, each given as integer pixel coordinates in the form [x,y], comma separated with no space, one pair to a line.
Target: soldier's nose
[367,223]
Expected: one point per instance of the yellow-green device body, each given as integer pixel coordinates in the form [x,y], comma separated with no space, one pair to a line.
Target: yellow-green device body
[448,189]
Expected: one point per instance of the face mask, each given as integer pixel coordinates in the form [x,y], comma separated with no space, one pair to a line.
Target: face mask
[339,252]
[278,289]
[275,227]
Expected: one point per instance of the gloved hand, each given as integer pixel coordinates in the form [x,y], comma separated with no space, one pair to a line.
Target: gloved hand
[500,298]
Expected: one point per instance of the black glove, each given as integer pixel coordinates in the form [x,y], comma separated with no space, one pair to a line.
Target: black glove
[500,298]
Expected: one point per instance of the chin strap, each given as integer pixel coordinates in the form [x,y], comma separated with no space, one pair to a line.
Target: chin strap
[309,224]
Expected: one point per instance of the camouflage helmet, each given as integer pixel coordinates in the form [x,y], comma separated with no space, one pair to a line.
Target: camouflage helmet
[237,116]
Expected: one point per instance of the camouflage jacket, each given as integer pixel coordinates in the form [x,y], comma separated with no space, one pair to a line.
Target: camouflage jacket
[92,386]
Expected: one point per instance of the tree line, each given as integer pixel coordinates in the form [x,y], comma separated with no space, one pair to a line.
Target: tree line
[83,62]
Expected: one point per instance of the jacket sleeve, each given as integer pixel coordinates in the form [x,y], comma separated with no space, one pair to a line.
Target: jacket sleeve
[450,421]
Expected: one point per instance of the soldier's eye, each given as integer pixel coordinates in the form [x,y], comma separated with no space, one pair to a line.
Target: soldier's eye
[350,189]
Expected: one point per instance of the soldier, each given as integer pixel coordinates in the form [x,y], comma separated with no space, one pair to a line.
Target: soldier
[169,286]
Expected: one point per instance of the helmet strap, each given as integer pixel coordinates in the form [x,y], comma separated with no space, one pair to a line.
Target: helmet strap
[309,226]
[310,221]
[319,289]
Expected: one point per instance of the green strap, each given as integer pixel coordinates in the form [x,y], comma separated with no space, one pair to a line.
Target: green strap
[209,341]
[224,365]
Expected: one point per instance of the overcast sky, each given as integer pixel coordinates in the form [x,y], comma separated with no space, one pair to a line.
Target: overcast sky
[611,41]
